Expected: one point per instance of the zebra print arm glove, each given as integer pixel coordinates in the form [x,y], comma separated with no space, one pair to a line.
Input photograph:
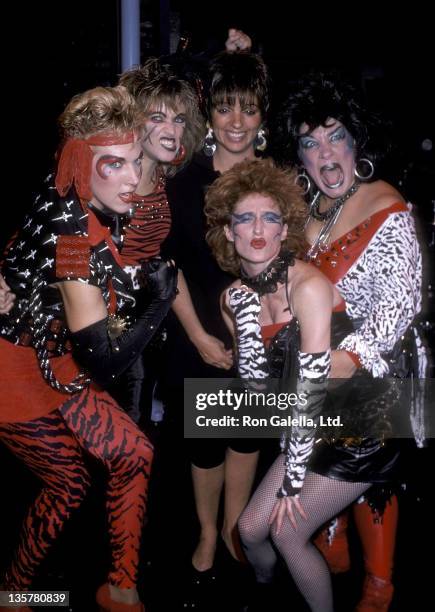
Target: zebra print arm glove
[311,388]
[252,362]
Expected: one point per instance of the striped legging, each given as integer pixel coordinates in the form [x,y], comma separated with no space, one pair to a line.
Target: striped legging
[52,447]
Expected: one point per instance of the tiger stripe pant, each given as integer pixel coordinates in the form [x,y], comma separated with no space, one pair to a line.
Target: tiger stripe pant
[52,447]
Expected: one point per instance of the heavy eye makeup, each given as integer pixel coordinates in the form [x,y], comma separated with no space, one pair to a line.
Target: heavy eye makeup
[249,217]
[272,217]
[161,117]
[106,163]
[307,142]
[156,117]
[338,134]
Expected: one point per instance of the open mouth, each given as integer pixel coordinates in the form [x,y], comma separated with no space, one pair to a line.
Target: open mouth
[258,243]
[332,175]
[128,197]
[168,144]
[236,136]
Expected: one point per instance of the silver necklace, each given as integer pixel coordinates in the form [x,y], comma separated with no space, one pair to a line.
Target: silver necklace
[338,203]
[330,218]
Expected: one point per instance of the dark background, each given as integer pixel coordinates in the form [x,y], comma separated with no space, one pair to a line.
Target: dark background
[57,49]
[67,47]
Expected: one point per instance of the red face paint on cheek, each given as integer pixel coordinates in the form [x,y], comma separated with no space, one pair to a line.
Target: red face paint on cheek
[103,166]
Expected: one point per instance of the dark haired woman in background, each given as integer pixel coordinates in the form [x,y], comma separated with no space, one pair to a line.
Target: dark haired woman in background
[237,105]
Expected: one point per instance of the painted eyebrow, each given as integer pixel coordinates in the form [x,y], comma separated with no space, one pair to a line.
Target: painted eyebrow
[337,129]
[309,134]
[240,218]
[110,159]
[272,216]
[269,216]
[306,135]
[182,114]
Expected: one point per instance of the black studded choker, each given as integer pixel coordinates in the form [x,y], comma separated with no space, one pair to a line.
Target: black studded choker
[276,272]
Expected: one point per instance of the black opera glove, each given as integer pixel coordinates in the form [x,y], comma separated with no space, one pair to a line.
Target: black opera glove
[106,349]
[160,278]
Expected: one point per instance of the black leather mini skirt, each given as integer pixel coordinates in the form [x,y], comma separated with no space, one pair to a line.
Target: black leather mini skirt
[365,460]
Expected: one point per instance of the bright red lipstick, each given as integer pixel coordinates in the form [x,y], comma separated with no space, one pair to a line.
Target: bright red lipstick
[127,198]
[258,243]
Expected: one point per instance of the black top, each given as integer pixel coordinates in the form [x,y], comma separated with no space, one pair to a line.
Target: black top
[35,260]
[187,245]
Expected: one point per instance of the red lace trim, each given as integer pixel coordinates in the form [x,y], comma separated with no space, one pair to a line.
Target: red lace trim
[72,257]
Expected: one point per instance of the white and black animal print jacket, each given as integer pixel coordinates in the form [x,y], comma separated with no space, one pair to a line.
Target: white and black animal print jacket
[313,371]
[383,289]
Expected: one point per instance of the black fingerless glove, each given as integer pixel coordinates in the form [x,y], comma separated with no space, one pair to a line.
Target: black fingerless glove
[105,353]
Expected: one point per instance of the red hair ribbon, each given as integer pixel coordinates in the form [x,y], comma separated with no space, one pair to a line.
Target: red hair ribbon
[75,162]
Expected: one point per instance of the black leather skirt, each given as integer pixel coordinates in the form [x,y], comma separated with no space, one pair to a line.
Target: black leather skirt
[365,460]
[363,448]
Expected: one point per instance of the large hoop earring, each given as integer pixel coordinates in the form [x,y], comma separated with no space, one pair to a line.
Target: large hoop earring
[209,146]
[260,142]
[371,167]
[304,177]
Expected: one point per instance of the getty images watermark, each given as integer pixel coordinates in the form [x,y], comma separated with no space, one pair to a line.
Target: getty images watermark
[267,402]
[382,408]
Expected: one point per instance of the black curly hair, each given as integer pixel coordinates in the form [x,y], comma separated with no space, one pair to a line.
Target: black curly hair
[322,96]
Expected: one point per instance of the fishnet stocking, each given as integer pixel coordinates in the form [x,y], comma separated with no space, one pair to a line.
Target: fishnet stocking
[321,498]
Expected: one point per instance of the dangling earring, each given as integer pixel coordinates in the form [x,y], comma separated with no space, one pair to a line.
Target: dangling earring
[371,167]
[180,157]
[209,146]
[303,177]
[260,142]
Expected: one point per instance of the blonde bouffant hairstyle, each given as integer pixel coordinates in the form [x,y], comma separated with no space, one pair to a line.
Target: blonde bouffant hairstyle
[243,179]
[102,109]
